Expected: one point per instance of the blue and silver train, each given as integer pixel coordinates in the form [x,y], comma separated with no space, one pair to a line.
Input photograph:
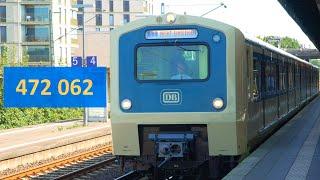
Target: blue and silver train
[190,96]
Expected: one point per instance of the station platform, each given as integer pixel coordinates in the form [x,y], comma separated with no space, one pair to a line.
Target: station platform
[35,143]
[292,153]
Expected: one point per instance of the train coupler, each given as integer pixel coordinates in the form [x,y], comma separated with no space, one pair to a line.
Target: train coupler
[169,145]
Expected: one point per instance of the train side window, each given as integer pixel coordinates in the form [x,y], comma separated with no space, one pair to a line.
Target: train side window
[290,77]
[282,76]
[270,77]
[256,78]
[297,76]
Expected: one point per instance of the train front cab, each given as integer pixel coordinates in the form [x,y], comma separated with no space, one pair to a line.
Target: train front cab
[150,108]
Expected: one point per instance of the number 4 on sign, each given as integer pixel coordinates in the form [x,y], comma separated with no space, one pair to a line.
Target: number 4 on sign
[92,61]
[21,87]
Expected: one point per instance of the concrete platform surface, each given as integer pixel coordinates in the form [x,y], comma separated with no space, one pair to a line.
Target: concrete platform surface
[21,141]
[292,153]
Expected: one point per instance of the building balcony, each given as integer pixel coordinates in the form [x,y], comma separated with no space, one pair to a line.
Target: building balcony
[29,19]
[37,54]
[36,2]
[35,38]
[35,43]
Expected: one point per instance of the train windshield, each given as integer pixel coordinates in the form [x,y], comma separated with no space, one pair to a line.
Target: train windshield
[173,62]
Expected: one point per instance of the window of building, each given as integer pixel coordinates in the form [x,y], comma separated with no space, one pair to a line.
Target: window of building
[36,33]
[98,5]
[98,19]
[126,6]
[111,29]
[111,20]
[80,2]
[3,34]
[36,13]
[111,6]
[126,18]
[80,19]
[3,13]
[37,53]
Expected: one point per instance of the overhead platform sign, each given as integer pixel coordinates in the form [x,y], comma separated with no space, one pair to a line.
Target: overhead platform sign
[55,87]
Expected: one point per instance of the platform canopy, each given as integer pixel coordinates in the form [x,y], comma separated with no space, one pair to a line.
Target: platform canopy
[306,13]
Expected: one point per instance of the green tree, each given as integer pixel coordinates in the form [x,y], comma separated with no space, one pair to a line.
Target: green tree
[281,42]
[315,62]
[289,43]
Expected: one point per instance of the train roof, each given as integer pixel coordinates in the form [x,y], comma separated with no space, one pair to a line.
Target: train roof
[274,49]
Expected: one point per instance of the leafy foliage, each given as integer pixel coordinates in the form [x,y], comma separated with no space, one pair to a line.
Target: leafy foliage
[281,42]
[315,62]
[18,117]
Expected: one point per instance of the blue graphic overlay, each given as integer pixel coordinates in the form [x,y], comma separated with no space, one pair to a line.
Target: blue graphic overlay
[55,87]
[76,61]
[92,61]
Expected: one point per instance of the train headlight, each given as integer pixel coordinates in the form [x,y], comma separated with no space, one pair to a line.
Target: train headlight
[171,18]
[217,103]
[216,38]
[126,104]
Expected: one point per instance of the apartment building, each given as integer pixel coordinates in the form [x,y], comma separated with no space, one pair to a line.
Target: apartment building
[101,18]
[43,31]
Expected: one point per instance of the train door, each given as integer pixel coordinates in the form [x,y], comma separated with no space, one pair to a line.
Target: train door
[270,93]
[291,84]
[278,69]
[256,113]
[297,84]
[283,98]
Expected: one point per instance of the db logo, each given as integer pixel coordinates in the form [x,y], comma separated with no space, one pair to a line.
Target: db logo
[171,97]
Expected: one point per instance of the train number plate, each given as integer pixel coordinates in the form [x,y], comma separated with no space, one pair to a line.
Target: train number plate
[54,87]
[171,97]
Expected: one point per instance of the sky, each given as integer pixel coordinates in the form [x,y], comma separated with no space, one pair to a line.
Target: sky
[254,17]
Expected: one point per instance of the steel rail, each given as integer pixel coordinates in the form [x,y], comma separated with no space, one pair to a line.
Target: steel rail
[87,169]
[130,175]
[59,163]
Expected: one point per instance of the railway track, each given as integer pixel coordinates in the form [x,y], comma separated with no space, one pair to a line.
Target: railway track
[76,166]
[132,175]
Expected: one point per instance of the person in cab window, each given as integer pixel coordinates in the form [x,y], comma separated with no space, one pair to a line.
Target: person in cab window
[181,71]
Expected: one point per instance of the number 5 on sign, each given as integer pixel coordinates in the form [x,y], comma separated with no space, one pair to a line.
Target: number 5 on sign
[76,61]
